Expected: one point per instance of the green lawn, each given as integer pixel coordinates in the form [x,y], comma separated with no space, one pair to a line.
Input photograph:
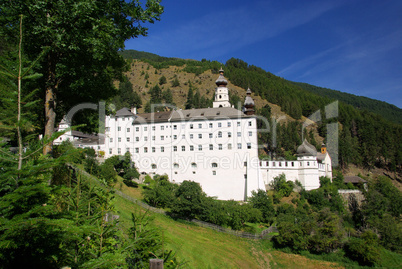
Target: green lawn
[206,248]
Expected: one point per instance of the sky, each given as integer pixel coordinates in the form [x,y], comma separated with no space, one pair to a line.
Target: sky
[353,46]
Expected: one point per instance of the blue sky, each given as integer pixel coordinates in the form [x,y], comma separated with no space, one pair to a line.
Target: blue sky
[352,46]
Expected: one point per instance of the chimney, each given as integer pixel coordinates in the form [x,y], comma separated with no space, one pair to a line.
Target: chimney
[133,110]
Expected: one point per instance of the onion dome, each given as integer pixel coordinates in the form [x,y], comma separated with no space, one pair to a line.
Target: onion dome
[221,81]
[248,102]
[306,149]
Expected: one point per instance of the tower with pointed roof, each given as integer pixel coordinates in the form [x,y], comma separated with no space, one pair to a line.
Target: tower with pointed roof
[221,91]
[248,107]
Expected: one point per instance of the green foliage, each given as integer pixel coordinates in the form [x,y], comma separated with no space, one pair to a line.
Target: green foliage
[175,82]
[127,97]
[162,80]
[281,187]
[189,202]
[73,36]
[260,200]
[364,250]
[161,193]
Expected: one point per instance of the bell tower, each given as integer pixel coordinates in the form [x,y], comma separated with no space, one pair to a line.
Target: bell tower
[221,92]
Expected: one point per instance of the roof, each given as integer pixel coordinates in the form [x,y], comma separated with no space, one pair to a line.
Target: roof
[123,112]
[353,179]
[153,117]
[306,149]
[321,156]
[221,80]
[190,115]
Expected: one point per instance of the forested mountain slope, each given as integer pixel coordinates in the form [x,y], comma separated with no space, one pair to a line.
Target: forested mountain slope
[365,138]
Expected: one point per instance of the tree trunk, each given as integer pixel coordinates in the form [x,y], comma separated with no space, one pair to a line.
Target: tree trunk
[50,102]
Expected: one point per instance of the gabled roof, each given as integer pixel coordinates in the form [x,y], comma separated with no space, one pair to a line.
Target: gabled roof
[306,149]
[124,112]
[206,113]
[153,117]
[190,115]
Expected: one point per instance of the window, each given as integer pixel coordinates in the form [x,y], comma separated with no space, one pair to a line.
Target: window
[193,172]
[210,135]
[174,127]
[273,164]
[145,150]
[249,123]
[249,145]
[183,148]
[153,138]
[193,165]
[238,124]
[214,173]
[174,148]
[293,164]
[162,128]
[191,136]
[183,136]
[119,139]
[191,148]
[145,138]
[229,146]
[220,146]
[211,125]
[211,147]
[119,150]
[214,165]
[199,125]
[219,124]
[128,130]
[118,128]
[308,163]
[107,129]
[219,134]
[128,139]
[145,128]
[137,139]
[110,151]
[200,147]
[229,134]
[239,145]
[137,150]
[127,149]
[153,128]
[153,166]
[175,165]
[250,133]
[200,136]
[111,140]
[175,137]
[238,134]
[191,126]
[229,124]
[162,149]
[137,129]
[153,149]
[162,137]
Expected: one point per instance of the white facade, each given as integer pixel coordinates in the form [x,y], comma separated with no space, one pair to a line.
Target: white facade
[216,147]
[307,169]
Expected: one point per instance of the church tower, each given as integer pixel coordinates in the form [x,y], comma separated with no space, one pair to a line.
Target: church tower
[221,92]
[248,107]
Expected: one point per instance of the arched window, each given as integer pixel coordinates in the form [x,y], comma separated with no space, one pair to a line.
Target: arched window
[153,166]
[175,165]
[193,165]
[214,165]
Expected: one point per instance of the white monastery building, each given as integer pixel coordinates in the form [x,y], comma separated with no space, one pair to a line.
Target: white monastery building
[216,147]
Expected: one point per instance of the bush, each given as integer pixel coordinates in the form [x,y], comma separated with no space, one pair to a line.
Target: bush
[130,183]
